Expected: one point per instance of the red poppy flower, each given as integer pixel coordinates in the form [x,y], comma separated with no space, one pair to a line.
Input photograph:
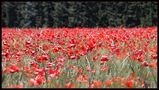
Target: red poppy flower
[82,78]
[154,56]
[144,63]
[104,58]
[104,68]
[97,83]
[13,68]
[33,82]
[53,73]
[129,84]
[108,83]
[45,57]
[73,57]
[27,42]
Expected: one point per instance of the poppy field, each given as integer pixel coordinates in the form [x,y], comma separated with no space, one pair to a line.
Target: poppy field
[79,58]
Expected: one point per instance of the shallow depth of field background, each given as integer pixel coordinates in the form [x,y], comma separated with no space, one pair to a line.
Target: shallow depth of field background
[79,44]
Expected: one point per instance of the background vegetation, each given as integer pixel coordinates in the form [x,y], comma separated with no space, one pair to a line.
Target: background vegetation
[79,14]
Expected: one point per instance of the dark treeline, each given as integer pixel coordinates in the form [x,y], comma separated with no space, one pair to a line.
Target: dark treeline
[78,14]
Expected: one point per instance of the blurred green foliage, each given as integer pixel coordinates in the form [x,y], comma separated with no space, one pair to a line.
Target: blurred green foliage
[79,14]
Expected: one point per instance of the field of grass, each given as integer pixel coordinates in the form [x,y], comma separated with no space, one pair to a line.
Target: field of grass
[79,58]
